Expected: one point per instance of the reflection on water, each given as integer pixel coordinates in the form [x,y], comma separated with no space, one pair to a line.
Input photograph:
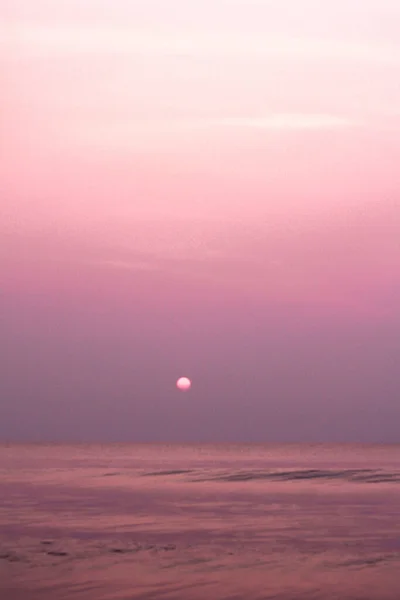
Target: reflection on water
[185,522]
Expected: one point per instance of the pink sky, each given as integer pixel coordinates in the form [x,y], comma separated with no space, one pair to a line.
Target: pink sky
[245,151]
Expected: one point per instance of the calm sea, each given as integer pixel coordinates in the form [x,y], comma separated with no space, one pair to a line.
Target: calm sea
[186,522]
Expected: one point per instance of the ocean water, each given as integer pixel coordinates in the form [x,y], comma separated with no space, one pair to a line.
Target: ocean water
[187,522]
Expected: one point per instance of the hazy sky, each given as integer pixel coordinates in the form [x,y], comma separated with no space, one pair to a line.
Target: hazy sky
[207,188]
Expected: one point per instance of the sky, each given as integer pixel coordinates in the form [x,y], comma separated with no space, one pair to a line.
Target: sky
[200,188]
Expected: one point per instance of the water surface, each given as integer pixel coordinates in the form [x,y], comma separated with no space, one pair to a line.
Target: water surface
[113,522]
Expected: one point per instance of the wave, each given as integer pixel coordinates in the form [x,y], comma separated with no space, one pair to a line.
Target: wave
[241,476]
[170,472]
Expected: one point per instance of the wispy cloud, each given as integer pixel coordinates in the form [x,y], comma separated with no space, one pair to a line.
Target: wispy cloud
[132,265]
[152,133]
[39,39]
[290,121]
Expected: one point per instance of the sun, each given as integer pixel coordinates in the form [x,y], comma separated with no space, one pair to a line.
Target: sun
[183,384]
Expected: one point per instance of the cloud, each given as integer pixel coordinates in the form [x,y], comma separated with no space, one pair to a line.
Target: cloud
[172,132]
[56,40]
[133,265]
[290,121]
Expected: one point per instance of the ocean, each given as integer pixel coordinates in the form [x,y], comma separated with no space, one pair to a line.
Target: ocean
[199,522]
